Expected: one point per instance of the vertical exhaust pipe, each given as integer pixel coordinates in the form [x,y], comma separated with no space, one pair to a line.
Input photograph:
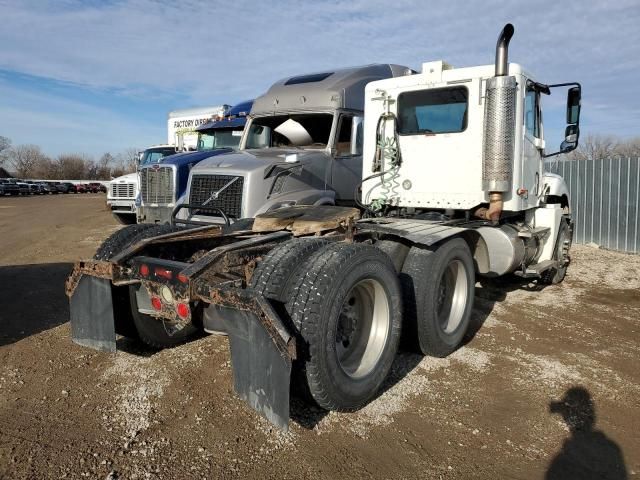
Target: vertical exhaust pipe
[502,50]
[499,131]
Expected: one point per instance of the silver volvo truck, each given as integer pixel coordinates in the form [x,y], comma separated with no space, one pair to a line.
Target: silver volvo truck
[302,146]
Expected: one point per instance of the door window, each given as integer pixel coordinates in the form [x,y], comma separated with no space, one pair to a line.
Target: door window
[349,138]
[532,112]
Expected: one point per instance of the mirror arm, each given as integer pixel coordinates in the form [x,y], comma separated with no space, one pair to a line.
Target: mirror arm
[547,155]
[569,84]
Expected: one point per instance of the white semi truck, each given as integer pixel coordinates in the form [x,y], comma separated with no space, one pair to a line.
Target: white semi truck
[121,198]
[181,135]
[453,187]
[122,194]
[182,124]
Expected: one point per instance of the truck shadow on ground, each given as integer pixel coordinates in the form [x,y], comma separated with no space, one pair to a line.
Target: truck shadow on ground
[488,293]
[492,291]
[32,299]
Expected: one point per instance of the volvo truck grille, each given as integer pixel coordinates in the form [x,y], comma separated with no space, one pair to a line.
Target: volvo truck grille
[122,190]
[218,191]
[156,185]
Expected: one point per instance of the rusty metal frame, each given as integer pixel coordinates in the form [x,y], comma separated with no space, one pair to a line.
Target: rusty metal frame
[197,267]
[202,233]
[94,268]
[249,300]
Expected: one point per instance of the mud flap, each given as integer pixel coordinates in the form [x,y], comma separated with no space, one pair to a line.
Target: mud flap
[92,319]
[261,371]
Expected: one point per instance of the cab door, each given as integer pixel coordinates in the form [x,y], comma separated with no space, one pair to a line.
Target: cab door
[346,169]
[533,146]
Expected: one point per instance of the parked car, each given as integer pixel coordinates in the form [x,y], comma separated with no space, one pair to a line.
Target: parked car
[81,188]
[50,187]
[71,188]
[62,188]
[24,188]
[34,189]
[97,187]
[9,188]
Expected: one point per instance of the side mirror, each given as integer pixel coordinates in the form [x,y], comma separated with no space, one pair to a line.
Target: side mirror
[572,131]
[573,105]
[571,135]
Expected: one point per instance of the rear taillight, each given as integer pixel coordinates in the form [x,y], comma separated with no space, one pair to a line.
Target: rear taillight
[183,310]
[156,303]
[183,278]
[144,270]
[164,273]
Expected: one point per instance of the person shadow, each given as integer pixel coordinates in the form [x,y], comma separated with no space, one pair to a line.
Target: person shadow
[588,452]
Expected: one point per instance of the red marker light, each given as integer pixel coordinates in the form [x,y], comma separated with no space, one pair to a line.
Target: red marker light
[183,278]
[144,270]
[182,309]
[163,272]
[156,303]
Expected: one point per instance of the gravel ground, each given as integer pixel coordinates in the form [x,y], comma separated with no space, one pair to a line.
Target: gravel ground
[546,385]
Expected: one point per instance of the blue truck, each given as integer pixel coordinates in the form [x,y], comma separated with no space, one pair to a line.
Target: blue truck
[162,184]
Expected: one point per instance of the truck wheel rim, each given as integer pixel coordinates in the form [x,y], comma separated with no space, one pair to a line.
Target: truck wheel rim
[453,292]
[362,328]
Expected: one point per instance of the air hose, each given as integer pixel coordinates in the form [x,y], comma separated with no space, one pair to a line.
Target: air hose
[387,153]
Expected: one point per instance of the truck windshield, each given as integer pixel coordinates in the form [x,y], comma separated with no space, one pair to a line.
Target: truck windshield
[219,138]
[309,130]
[154,155]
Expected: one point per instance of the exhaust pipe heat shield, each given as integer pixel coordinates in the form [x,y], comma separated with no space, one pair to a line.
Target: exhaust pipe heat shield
[499,134]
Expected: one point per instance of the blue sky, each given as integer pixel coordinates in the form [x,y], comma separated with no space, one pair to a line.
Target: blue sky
[100,76]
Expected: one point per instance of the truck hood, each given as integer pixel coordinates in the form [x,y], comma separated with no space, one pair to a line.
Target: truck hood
[252,159]
[128,178]
[185,158]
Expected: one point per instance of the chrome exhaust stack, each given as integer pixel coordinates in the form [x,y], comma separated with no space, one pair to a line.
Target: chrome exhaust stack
[499,132]
[502,50]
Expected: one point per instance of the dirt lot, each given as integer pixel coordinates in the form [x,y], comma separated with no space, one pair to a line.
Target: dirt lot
[487,411]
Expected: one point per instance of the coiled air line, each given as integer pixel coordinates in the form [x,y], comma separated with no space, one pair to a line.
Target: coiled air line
[387,159]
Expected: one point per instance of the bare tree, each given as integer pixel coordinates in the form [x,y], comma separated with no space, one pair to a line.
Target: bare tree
[629,148]
[127,161]
[595,146]
[45,168]
[23,159]
[103,167]
[5,145]
[73,165]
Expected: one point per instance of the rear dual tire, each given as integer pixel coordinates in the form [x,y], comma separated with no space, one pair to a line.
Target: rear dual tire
[438,287]
[344,302]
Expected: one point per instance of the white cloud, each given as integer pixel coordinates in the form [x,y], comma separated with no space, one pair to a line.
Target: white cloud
[215,52]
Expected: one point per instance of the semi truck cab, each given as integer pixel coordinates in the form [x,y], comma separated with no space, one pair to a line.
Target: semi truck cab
[302,146]
[163,183]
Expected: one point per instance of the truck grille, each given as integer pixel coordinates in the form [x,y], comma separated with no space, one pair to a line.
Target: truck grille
[122,190]
[229,199]
[156,185]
